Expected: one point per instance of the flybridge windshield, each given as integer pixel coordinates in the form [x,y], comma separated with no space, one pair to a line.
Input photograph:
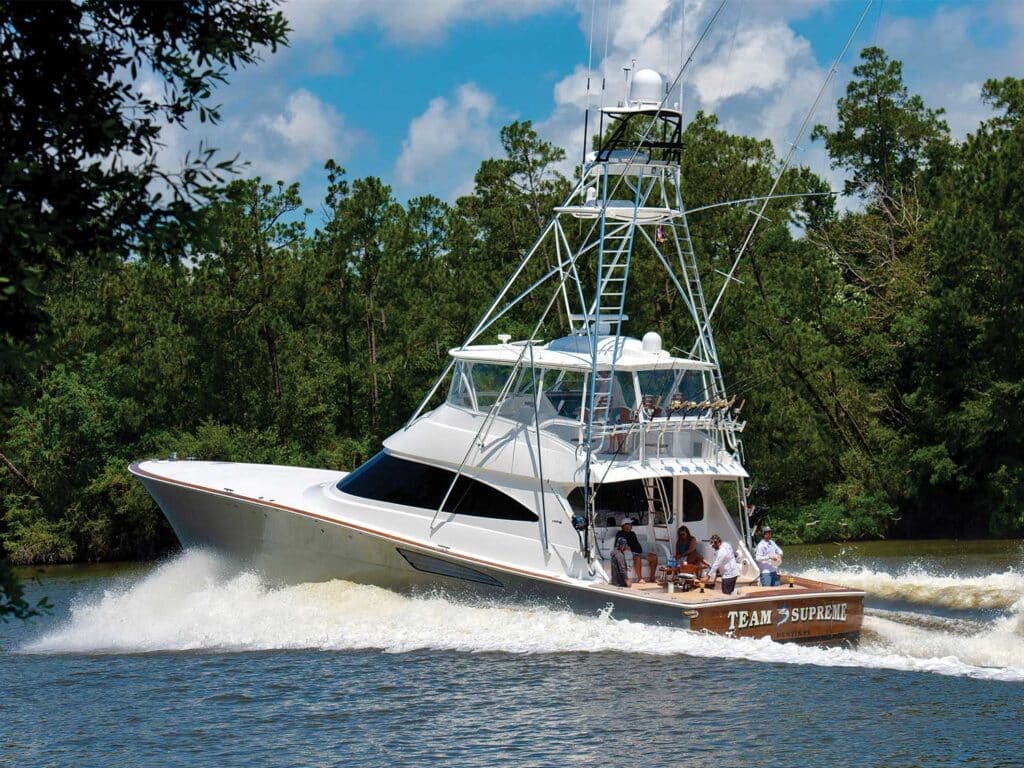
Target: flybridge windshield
[563,394]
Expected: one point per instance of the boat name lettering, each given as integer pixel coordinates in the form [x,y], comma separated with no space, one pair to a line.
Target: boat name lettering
[744,619]
[761,618]
[831,612]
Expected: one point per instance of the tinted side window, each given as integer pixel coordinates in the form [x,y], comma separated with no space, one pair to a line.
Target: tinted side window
[386,478]
[693,503]
[628,497]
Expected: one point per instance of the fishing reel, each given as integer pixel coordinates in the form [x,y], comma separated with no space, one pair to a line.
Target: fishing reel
[579,522]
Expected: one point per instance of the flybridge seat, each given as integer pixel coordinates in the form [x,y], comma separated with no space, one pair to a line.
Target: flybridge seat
[626,162]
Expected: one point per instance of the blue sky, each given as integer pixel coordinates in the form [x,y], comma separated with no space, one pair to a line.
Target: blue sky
[416,92]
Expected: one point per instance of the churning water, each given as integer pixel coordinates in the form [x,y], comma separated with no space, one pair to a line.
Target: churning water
[944,647]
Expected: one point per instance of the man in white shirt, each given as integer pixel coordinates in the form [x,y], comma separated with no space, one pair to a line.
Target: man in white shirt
[768,555]
[725,563]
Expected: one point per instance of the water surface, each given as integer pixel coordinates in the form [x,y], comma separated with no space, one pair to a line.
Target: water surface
[190,662]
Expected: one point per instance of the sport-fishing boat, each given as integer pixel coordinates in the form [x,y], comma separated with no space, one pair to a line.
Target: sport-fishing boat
[516,472]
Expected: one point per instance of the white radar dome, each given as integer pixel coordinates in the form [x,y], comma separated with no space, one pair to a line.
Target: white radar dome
[647,88]
[651,342]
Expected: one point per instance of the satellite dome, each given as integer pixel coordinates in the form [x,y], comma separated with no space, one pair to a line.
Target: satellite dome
[651,342]
[647,88]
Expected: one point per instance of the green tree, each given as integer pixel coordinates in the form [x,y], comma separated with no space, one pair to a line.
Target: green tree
[884,133]
[512,199]
[968,378]
[79,139]
[80,134]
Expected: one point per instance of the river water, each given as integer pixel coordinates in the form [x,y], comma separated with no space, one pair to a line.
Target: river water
[189,662]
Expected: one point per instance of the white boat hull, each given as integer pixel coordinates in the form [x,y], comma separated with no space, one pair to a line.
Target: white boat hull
[295,546]
[292,545]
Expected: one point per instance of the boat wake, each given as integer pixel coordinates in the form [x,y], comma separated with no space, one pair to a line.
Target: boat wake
[195,602]
[916,585]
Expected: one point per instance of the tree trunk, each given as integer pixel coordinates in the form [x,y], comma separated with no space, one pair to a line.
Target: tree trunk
[21,478]
[275,374]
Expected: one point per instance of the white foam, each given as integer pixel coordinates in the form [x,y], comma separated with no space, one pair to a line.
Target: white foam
[915,585]
[996,644]
[194,603]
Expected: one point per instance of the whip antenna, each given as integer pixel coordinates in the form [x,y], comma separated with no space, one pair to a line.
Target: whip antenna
[590,71]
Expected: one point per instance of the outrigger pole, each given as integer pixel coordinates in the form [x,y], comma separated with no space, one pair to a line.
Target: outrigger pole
[793,147]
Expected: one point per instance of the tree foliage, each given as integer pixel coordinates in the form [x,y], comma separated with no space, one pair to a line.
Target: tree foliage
[87,89]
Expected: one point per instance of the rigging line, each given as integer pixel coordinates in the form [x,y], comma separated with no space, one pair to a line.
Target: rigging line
[788,160]
[760,197]
[732,48]
[604,63]
[878,19]
[508,284]
[682,53]
[483,324]
[536,284]
[480,435]
[536,428]
[671,23]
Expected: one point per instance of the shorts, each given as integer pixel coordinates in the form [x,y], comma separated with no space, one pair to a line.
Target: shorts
[729,585]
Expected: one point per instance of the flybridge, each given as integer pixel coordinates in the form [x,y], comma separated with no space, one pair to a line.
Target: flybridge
[642,404]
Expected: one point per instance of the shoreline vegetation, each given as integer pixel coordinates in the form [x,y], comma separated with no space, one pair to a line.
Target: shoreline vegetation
[875,349]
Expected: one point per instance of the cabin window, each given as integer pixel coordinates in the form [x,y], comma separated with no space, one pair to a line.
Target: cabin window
[659,389]
[656,389]
[564,389]
[693,503]
[460,392]
[397,481]
[520,403]
[489,382]
[692,386]
[613,501]
[623,395]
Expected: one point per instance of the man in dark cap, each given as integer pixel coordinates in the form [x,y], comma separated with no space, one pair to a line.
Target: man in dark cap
[638,552]
[620,568]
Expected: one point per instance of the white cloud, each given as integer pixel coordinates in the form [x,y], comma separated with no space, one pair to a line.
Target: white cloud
[319,20]
[948,56]
[446,143]
[284,145]
[278,142]
[759,59]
